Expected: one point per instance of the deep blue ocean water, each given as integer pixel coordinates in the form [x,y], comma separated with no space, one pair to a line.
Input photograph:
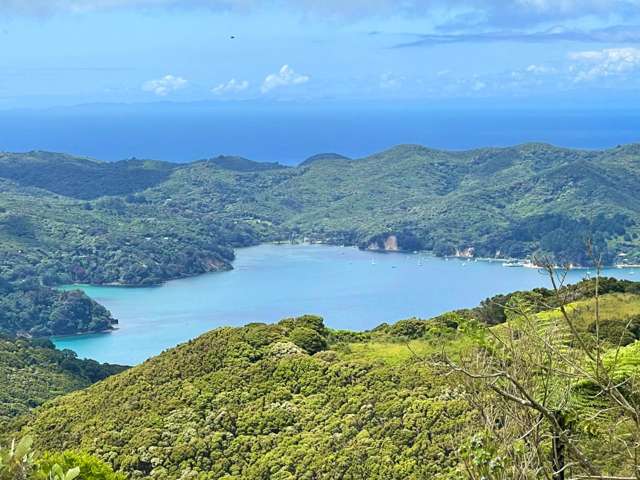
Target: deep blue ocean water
[291,133]
[350,288]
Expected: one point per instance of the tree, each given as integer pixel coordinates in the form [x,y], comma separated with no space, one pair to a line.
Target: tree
[309,340]
[552,395]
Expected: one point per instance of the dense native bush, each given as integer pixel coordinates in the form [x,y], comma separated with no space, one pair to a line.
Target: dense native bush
[30,308]
[247,403]
[308,339]
[252,403]
[34,371]
[493,311]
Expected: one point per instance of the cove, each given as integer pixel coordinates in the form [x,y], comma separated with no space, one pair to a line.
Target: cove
[351,289]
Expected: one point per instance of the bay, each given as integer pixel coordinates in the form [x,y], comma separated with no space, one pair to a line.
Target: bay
[351,289]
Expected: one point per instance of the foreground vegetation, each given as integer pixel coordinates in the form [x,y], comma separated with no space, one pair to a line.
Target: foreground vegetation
[18,462]
[415,399]
[264,401]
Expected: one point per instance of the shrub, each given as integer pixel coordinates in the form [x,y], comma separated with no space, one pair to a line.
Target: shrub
[312,322]
[623,332]
[307,339]
[90,468]
[410,328]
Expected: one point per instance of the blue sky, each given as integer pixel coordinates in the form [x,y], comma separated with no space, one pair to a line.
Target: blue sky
[65,52]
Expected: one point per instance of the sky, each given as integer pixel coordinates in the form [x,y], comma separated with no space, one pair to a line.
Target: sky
[69,52]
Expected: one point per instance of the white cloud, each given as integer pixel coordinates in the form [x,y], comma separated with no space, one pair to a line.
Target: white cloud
[466,13]
[285,77]
[232,86]
[608,62]
[165,85]
[540,69]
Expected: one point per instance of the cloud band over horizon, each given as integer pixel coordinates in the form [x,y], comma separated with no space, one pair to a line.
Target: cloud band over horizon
[459,13]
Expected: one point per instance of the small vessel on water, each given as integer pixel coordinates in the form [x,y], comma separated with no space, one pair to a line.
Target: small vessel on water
[513,263]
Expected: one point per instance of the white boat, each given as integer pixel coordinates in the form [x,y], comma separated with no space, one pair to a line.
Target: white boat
[513,264]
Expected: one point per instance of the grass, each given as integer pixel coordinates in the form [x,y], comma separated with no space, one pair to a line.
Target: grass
[614,306]
[391,353]
[397,352]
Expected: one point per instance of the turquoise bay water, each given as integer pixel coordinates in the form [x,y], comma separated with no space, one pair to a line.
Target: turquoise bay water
[351,289]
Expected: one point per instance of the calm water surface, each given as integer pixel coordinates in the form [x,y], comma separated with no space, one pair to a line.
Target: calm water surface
[351,289]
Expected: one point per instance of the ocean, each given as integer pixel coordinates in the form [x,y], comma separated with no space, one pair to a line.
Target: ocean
[290,133]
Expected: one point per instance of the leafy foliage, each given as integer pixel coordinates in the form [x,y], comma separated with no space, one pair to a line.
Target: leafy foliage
[19,462]
[32,309]
[239,403]
[34,371]
[16,461]
[86,466]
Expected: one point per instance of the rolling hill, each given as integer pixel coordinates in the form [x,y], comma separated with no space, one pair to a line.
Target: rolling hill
[74,220]
[296,400]
[33,371]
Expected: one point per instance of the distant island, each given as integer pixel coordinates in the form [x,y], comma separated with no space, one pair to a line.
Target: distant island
[66,220]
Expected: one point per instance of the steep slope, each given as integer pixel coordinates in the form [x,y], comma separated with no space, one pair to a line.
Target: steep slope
[32,372]
[117,240]
[294,400]
[452,201]
[249,403]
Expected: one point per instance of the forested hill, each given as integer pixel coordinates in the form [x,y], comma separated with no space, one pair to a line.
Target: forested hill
[33,371]
[66,219]
[297,400]
[28,308]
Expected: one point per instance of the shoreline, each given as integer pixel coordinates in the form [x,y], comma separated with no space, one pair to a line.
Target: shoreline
[520,263]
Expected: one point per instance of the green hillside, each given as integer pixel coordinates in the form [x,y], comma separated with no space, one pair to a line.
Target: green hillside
[30,309]
[296,400]
[33,371]
[82,178]
[250,403]
[510,202]
[72,220]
